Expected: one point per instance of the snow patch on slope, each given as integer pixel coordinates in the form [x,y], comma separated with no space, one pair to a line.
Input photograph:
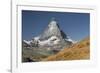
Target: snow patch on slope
[51,41]
[27,42]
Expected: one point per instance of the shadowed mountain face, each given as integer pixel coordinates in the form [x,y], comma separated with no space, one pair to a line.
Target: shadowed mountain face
[77,51]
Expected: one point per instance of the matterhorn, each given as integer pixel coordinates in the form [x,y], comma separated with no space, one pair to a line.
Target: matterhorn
[52,36]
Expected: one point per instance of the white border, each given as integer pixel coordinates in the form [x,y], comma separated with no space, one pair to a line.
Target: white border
[18,66]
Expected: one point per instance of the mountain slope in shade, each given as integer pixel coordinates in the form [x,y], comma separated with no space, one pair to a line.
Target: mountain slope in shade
[77,51]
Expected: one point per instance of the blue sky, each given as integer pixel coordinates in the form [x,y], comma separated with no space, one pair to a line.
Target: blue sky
[76,25]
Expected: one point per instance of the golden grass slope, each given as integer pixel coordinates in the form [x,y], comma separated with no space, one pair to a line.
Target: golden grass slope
[77,51]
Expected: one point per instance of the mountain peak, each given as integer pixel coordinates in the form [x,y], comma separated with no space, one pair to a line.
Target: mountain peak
[53,19]
[52,35]
[53,23]
[51,30]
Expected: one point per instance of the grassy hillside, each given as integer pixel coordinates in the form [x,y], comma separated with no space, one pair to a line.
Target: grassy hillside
[77,51]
